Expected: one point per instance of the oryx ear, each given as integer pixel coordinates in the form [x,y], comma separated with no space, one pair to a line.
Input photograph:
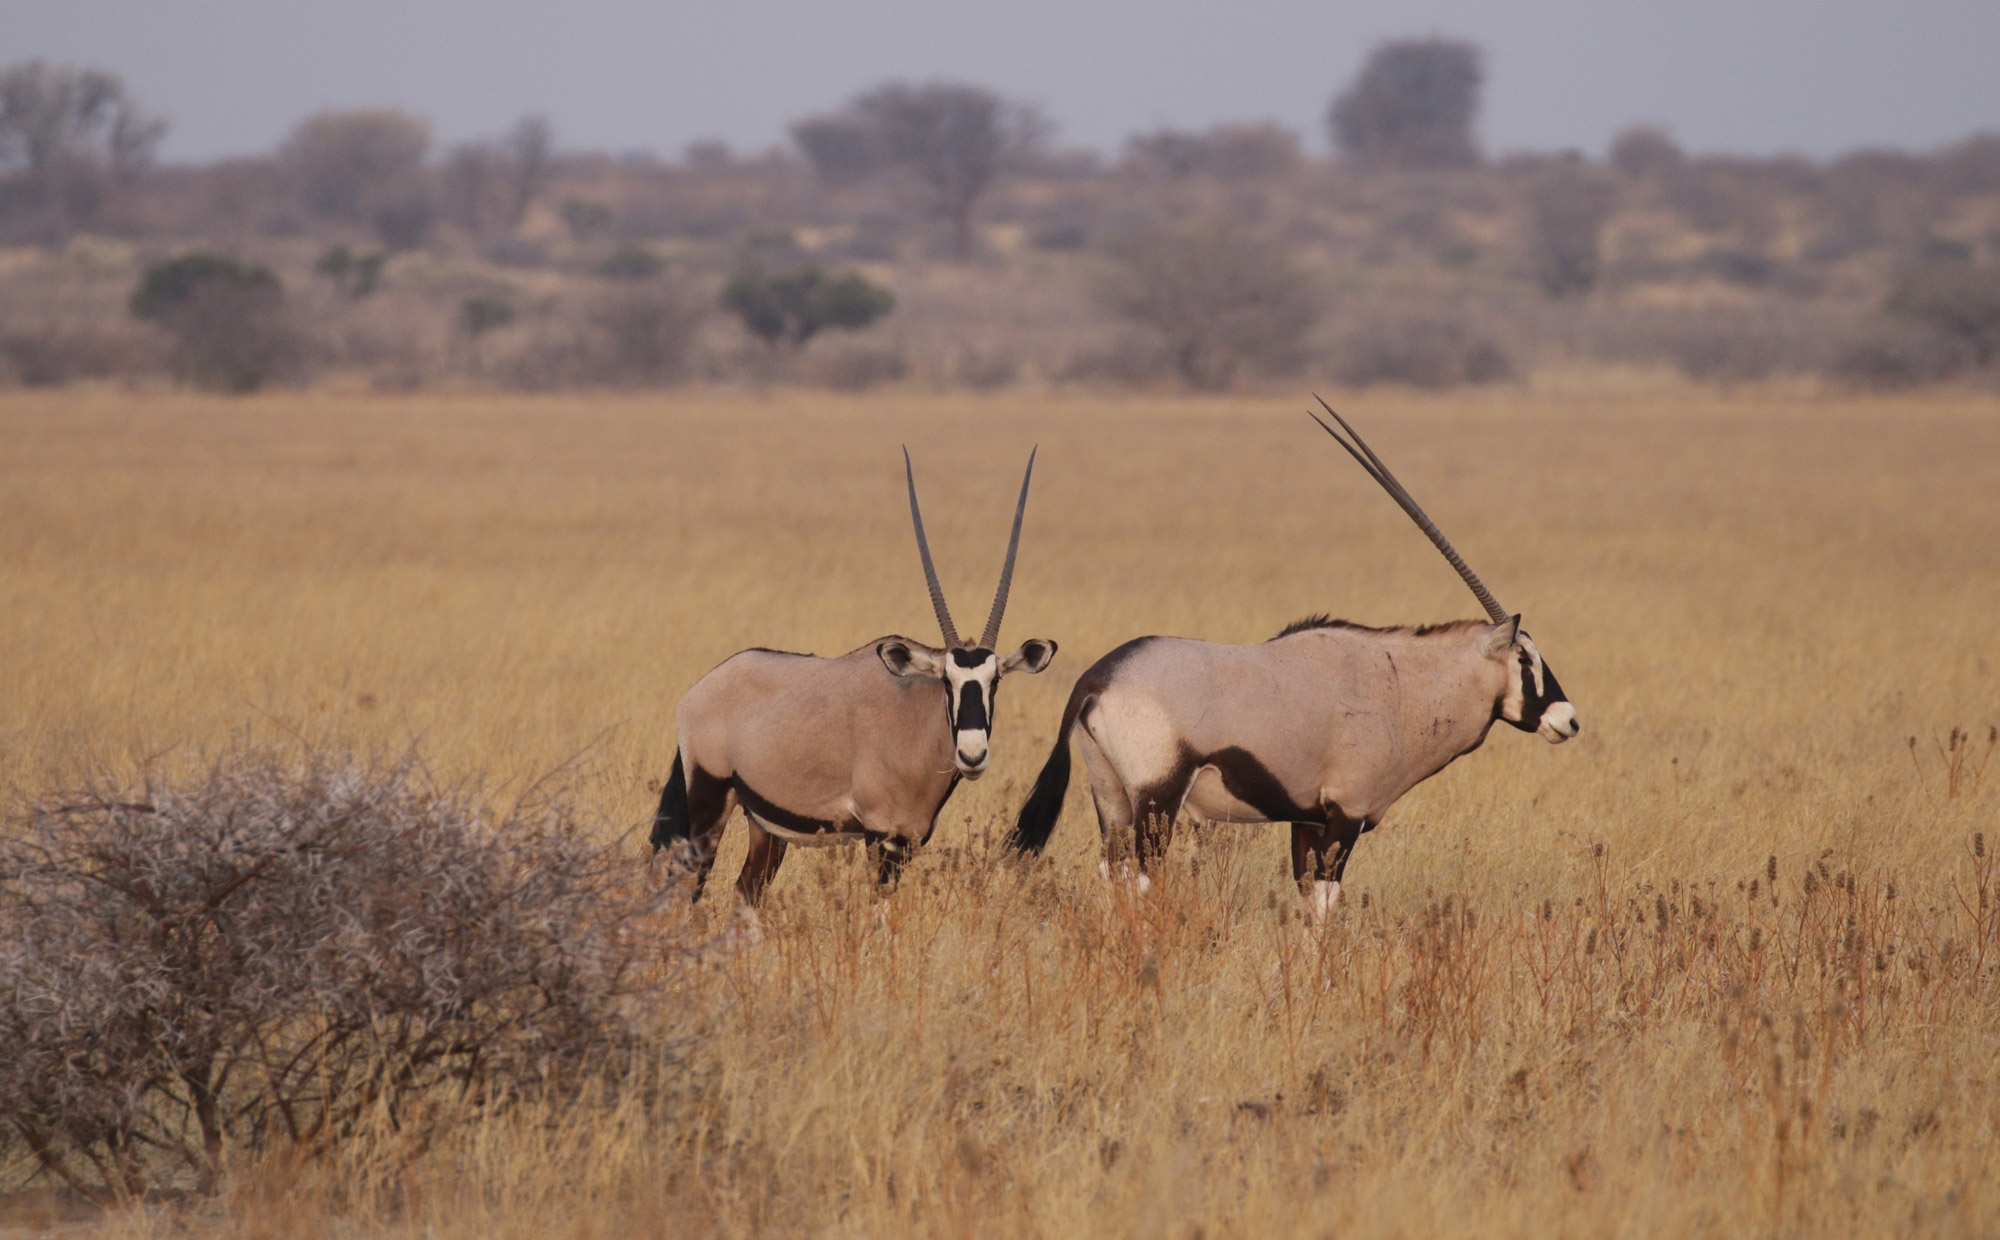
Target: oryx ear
[1500,642]
[906,660]
[1034,655]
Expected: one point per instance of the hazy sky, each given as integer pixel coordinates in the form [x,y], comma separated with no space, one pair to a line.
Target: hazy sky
[1814,76]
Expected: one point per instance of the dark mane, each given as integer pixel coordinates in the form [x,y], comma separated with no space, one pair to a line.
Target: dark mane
[1323,621]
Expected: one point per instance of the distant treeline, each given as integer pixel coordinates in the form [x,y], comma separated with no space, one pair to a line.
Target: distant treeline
[938,233]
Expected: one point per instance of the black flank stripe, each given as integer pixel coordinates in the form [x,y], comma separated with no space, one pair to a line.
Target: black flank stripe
[780,817]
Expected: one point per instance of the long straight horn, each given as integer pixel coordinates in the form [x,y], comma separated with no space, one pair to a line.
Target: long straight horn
[924,550]
[1362,453]
[992,633]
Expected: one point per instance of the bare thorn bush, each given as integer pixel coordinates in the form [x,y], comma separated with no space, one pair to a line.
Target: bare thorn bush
[276,953]
[1219,300]
[1422,350]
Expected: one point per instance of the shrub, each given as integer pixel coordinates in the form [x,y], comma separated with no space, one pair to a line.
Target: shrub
[645,333]
[1958,301]
[484,312]
[274,953]
[1426,351]
[354,274]
[1567,207]
[791,307]
[855,369]
[50,354]
[1226,152]
[1218,299]
[631,261]
[226,317]
[1886,354]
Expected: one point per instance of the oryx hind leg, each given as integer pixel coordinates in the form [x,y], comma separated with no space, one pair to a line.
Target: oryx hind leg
[1114,803]
[709,800]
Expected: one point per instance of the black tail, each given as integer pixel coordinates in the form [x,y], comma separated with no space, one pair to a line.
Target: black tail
[671,822]
[1038,817]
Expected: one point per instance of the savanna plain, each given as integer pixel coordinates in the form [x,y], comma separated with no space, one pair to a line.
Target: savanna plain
[1726,964]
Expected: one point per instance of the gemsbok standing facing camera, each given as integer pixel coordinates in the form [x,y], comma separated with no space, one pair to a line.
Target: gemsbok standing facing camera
[1324,726]
[866,746]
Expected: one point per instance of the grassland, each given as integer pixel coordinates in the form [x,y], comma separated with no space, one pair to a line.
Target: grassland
[1724,965]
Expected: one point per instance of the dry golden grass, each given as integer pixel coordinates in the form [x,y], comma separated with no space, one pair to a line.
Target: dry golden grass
[1553,1002]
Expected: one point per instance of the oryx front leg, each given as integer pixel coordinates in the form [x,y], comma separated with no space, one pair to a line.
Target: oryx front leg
[767,853]
[1319,859]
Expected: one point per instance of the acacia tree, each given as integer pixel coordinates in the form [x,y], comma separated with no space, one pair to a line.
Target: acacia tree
[1411,106]
[363,167]
[953,139]
[68,134]
[489,185]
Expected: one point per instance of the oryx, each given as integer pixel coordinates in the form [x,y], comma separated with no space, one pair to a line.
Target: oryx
[866,746]
[1324,726]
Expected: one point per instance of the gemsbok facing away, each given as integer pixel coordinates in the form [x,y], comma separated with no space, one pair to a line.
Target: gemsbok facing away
[866,746]
[1323,727]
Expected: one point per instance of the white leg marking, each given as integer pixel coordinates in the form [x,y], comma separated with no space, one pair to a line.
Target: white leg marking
[1320,903]
[1128,873]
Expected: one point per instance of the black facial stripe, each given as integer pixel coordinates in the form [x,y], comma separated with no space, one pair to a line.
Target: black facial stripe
[1551,691]
[971,708]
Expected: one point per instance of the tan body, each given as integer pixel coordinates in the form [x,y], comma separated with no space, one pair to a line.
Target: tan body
[836,741]
[1324,727]
[1343,720]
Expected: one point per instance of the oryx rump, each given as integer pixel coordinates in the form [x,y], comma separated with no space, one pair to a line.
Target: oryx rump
[1324,726]
[814,750]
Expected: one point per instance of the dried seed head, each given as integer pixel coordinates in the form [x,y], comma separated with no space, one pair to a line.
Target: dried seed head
[1590,942]
[1548,910]
[1771,868]
[1979,843]
[1754,885]
[1660,909]
[1890,891]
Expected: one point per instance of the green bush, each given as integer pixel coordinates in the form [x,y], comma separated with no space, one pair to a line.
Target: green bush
[794,306]
[631,261]
[226,317]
